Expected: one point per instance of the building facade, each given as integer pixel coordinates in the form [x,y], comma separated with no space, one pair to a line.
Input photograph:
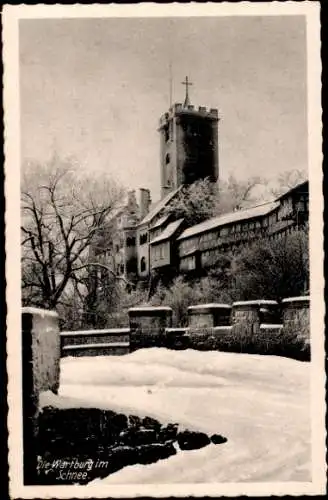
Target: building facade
[200,246]
[144,238]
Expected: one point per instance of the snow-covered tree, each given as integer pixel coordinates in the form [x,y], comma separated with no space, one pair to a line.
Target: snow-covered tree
[62,213]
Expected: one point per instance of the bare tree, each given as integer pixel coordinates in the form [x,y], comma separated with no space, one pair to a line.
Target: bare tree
[62,214]
[235,194]
[204,199]
[287,180]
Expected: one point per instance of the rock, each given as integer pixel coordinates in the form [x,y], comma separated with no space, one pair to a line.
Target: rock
[168,432]
[218,439]
[150,453]
[151,423]
[134,421]
[122,456]
[189,440]
[119,421]
[137,436]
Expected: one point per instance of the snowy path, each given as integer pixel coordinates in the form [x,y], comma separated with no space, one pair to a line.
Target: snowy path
[261,404]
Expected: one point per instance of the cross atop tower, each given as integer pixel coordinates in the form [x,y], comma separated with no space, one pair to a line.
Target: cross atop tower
[187,83]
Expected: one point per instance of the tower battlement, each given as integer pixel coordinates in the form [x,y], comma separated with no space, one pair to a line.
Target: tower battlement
[178,109]
[188,143]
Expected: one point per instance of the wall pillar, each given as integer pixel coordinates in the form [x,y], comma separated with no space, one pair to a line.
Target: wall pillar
[40,372]
[296,318]
[209,315]
[147,326]
[247,317]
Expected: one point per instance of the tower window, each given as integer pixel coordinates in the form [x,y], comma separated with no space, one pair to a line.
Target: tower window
[167,159]
[143,238]
[171,129]
[143,264]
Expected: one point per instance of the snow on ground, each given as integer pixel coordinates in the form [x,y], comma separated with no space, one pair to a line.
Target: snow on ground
[260,403]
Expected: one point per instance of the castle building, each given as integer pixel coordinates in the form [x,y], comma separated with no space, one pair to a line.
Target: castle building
[144,238]
[188,152]
[200,247]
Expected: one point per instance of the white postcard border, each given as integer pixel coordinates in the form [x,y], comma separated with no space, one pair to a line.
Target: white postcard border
[11,16]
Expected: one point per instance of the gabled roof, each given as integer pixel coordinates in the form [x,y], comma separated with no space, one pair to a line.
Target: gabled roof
[229,218]
[168,231]
[159,206]
[160,222]
[301,186]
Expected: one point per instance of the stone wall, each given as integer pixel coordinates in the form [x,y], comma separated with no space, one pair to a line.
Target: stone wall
[110,341]
[258,327]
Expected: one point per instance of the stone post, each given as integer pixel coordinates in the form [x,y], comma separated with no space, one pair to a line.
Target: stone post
[209,315]
[40,372]
[296,318]
[147,326]
[247,317]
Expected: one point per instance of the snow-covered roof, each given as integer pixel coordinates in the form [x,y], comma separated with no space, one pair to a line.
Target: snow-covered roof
[168,231]
[159,206]
[160,222]
[225,219]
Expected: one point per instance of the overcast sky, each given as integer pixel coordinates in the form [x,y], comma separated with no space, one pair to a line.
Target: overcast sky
[94,89]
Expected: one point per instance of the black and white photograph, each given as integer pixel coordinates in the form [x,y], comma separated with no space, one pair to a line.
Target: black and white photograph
[164,249]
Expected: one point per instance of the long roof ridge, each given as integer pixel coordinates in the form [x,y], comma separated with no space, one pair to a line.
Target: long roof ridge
[206,225]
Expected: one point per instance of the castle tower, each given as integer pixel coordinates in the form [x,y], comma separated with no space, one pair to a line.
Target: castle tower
[188,144]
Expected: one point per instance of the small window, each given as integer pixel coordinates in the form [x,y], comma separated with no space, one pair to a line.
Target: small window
[171,129]
[143,264]
[167,159]
[143,238]
[130,241]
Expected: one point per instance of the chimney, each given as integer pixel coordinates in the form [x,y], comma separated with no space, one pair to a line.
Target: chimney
[145,202]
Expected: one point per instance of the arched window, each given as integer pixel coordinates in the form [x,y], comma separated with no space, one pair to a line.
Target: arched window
[167,159]
[143,264]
